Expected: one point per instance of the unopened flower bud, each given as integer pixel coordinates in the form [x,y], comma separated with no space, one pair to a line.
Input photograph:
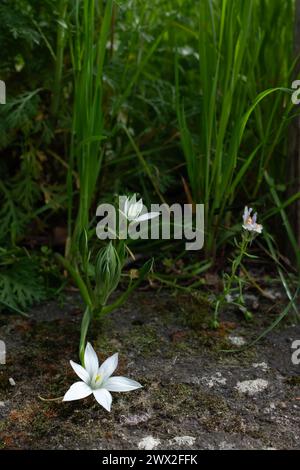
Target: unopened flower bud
[107,272]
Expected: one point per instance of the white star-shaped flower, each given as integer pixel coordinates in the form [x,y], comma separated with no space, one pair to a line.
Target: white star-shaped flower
[133,210]
[97,380]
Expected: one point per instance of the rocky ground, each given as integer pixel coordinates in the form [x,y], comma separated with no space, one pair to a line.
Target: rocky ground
[195,396]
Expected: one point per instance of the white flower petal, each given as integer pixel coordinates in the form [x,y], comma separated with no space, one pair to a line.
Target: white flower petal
[147,216]
[77,391]
[139,206]
[126,207]
[108,367]
[131,213]
[80,371]
[91,362]
[103,397]
[121,384]
[134,211]
[130,204]
[247,214]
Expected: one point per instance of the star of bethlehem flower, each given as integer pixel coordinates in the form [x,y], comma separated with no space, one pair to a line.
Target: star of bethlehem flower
[249,222]
[133,209]
[97,380]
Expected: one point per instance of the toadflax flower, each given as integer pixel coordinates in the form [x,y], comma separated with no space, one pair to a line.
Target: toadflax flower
[249,222]
[133,209]
[97,380]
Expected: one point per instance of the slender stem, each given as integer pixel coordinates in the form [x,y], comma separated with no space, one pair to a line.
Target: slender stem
[61,35]
[85,323]
[236,263]
[246,238]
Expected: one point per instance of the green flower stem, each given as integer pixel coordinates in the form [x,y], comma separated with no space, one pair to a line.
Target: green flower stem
[85,323]
[78,280]
[132,286]
[215,323]
[246,239]
[237,262]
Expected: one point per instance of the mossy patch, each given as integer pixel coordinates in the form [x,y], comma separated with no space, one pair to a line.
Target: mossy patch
[165,343]
[293,380]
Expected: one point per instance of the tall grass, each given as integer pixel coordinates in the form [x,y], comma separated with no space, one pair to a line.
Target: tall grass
[88,50]
[59,58]
[230,136]
[97,106]
[231,102]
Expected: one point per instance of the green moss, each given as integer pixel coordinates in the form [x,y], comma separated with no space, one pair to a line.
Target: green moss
[194,313]
[144,339]
[293,380]
[2,425]
[104,336]
[181,398]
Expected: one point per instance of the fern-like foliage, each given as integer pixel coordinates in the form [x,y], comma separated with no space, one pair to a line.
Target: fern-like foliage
[20,282]
[18,114]
[24,25]
[18,197]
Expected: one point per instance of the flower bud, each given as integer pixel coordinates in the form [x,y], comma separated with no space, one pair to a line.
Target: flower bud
[108,272]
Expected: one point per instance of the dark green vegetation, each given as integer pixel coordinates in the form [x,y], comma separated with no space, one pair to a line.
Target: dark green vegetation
[179,101]
[183,101]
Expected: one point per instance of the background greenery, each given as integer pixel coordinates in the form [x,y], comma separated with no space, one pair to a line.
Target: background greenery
[178,100]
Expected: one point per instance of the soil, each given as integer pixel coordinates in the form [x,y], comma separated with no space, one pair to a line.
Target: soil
[194,395]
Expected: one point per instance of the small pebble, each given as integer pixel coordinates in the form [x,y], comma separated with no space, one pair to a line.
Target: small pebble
[148,443]
[184,440]
[12,382]
[237,340]
[214,380]
[261,365]
[134,420]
